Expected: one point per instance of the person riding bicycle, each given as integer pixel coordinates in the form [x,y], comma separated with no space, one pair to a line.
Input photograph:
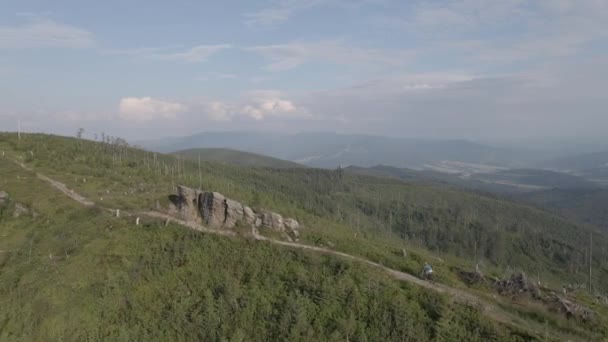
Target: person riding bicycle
[428,271]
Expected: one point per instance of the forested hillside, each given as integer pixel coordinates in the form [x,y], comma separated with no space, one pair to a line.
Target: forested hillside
[439,219]
[234,157]
[330,150]
[582,205]
[209,285]
[72,273]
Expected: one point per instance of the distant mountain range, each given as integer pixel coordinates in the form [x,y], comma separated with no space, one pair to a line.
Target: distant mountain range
[330,150]
[597,160]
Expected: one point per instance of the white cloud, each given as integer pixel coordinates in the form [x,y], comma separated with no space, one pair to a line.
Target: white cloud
[288,56]
[256,105]
[219,111]
[280,11]
[216,76]
[147,108]
[502,32]
[196,54]
[44,33]
[561,99]
[269,106]
[457,16]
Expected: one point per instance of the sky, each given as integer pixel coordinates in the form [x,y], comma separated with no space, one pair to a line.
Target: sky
[439,69]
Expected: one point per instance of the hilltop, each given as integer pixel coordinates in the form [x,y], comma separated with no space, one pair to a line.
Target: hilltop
[235,157]
[330,150]
[161,278]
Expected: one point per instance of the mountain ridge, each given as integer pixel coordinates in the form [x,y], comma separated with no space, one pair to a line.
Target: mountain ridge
[236,157]
[330,150]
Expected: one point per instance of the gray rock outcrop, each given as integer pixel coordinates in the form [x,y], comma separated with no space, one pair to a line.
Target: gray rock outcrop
[215,210]
[20,210]
[187,204]
[212,208]
[3,198]
[248,215]
[570,309]
[516,285]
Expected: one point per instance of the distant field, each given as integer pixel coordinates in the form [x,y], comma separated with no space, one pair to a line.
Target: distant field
[580,162]
[536,179]
[234,157]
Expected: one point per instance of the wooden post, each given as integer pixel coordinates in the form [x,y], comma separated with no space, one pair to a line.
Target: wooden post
[200,175]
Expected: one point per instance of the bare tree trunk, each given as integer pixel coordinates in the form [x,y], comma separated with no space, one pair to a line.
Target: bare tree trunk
[200,175]
[590,257]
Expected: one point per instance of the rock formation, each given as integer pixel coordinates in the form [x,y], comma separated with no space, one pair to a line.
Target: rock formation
[20,209]
[3,198]
[217,211]
[570,309]
[516,285]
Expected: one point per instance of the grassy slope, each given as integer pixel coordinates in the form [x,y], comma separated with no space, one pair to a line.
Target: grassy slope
[355,210]
[234,157]
[75,273]
[336,209]
[79,274]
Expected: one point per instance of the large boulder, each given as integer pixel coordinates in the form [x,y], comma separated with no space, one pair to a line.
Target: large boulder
[233,213]
[213,208]
[570,309]
[217,211]
[188,204]
[272,221]
[248,215]
[20,210]
[3,198]
[291,228]
[517,284]
[291,224]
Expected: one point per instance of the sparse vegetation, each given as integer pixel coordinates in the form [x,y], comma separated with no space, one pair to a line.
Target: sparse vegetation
[234,157]
[124,282]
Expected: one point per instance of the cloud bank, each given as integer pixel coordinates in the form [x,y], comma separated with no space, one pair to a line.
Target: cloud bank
[147,108]
[40,32]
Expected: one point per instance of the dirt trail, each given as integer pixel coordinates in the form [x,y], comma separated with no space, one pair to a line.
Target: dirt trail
[57,185]
[63,188]
[491,310]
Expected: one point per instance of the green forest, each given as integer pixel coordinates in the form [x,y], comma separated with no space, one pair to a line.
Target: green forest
[74,273]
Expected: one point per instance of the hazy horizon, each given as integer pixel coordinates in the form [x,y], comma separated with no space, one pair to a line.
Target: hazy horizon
[510,71]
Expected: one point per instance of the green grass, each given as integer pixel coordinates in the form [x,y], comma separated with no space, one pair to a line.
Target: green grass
[371,217]
[78,274]
[354,211]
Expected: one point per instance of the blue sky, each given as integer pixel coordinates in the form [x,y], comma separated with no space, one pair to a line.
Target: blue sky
[476,69]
